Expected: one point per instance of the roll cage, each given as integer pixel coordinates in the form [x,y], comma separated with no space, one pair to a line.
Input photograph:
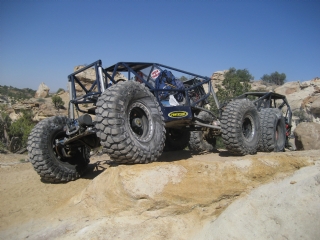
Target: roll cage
[105,77]
[270,100]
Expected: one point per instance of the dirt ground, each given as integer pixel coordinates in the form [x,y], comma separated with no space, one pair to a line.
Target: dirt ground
[170,199]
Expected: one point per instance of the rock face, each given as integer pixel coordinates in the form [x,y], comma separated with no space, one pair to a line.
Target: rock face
[217,78]
[261,86]
[88,76]
[288,88]
[15,111]
[40,109]
[43,91]
[307,136]
[304,99]
[315,107]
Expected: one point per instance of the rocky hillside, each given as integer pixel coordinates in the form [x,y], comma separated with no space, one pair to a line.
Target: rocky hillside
[303,97]
[12,94]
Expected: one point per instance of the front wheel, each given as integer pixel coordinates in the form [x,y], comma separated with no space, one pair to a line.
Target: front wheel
[48,157]
[130,123]
[240,127]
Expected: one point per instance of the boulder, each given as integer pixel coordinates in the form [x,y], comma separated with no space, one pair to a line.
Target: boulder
[258,86]
[43,91]
[307,136]
[88,76]
[315,106]
[261,86]
[218,75]
[302,97]
[15,116]
[25,105]
[217,79]
[40,109]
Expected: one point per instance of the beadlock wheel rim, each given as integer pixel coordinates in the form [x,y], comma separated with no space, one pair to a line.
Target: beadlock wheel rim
[248,128]
[139,111]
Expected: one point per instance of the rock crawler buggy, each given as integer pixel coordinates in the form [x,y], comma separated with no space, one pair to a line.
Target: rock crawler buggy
[142,109]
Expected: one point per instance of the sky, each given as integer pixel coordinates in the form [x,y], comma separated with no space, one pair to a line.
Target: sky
[43,40]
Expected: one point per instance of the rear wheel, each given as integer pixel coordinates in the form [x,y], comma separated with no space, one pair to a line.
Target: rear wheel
[203,140]
[48,157]
[130,123]
[240,127]
[273,130]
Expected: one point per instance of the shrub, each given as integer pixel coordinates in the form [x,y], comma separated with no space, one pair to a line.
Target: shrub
[60,90]
[235,83]
[20,130]
[276,78]
[302,116]
[57,102]
[5,123]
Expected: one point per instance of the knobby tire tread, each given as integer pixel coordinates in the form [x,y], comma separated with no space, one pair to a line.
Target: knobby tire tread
[269,119]
[40,154]
[112,124]
[231,127]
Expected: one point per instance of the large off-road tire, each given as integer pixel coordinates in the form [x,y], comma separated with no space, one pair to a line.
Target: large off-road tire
[240,126]
[46,155]
[273,130]
[130,123]
[203,140]
[176,139]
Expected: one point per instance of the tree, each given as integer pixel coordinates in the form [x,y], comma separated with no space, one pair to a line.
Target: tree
[57,101]
[60,90]
[275,77]
[20,130]
[5,123]
[183,78]
[235,83]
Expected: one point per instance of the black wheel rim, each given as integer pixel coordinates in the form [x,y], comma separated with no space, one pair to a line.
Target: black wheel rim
[279,133]
[140,122]
[248,128]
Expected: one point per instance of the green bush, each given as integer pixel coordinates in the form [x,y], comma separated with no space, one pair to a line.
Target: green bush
[302,116]
[14,135]
[17,93]
[275,77]
[219,142]
[235,83]
[20,130]
[60,90]
[57,101]
[5,123]
[183,78]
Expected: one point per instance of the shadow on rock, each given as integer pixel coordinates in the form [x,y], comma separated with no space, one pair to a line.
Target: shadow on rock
[95,169]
